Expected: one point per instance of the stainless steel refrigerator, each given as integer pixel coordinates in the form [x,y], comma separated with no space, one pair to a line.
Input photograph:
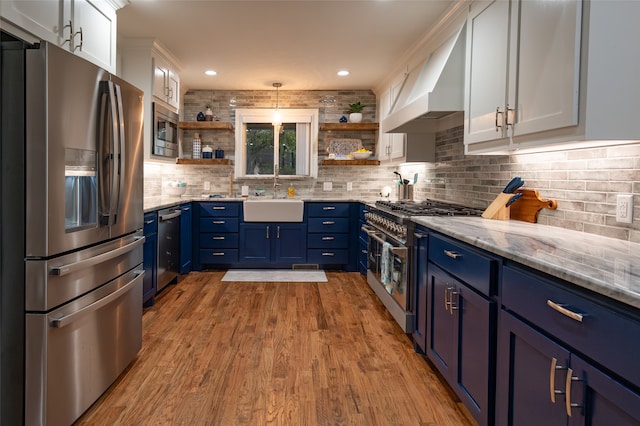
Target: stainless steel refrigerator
[83,218]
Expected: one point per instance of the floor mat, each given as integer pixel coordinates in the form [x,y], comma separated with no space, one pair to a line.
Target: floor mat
[273,275]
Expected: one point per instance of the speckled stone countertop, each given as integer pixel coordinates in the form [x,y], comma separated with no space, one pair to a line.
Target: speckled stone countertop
[604,265]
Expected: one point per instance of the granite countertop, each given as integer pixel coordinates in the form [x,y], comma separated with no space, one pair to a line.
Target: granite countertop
[603,265]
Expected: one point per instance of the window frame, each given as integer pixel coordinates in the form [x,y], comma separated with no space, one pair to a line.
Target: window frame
[299,116]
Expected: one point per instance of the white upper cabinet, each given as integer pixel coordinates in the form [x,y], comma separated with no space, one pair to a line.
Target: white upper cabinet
[85,27]
[390,145]
[546,75]
[166,81]
[523,63]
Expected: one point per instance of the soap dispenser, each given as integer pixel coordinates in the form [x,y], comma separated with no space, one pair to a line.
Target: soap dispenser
[291,192]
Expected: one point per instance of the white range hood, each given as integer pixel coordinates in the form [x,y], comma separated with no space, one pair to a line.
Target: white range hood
[432,90]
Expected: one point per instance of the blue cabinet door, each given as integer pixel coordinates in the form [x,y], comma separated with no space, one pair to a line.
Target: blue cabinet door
[598,399]
[290,243]
[460,341]
[185,238]
[527,375]
[255,242]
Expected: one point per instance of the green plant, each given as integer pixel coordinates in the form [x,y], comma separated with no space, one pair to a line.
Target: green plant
[357,107]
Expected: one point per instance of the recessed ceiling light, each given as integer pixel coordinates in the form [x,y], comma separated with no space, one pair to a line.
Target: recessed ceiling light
[343,73]
[210,72]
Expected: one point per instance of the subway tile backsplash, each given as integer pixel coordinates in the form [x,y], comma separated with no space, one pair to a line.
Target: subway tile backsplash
[584,182]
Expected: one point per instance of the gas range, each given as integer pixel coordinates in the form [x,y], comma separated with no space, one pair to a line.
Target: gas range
[394,217]
[427,208]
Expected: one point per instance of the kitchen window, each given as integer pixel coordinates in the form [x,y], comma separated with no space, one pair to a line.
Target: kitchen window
[291,144]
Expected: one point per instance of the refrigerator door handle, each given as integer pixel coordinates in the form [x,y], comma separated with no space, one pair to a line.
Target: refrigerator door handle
[92,261]
[114,151]
[120,149]
[68,319]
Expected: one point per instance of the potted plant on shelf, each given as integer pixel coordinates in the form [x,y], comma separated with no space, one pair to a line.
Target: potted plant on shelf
[208,114]
[355,112]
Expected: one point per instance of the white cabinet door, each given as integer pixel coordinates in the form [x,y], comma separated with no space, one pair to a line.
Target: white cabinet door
[84,27]
[391,146]
[160,77]
[523,67]
[487,54]
[42,18]
[545,65]
[95,26]
[173,92]
[166,82]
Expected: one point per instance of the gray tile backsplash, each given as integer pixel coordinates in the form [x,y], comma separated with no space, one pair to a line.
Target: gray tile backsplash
[584,182]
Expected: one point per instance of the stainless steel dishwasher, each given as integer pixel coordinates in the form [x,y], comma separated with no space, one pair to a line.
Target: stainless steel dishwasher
[168,247]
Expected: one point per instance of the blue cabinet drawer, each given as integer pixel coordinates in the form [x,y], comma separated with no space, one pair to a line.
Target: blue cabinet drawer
[328,209]
[218,240]
[150,223]
[218,256]
[328,256]
[219,209]
[605,335]
[324,240]
[219,224]
[324,224]
[477,269]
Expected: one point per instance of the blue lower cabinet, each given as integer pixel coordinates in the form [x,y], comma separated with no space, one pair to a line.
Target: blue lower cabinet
[333,235]
[216,238]
[273,243]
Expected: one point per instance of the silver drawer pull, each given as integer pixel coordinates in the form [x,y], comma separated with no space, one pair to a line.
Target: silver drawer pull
[328,222]
[218,222]
[328,238]
[452,254]
[328,208]
[328,254]
[568,404]
[149,222]
[219,208]
[552,379]
[218,238]
[564,311]
[218,254]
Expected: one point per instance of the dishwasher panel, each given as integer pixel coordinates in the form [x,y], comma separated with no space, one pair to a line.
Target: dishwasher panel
[168,247]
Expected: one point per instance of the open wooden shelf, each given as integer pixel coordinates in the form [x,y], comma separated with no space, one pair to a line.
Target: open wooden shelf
[349,126]
[205,125]
[204,161]
[350,162]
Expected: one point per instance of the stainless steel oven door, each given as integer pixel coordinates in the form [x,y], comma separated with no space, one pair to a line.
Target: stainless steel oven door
[388,261]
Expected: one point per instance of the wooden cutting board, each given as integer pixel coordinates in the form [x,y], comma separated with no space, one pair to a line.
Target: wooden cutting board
[529,205]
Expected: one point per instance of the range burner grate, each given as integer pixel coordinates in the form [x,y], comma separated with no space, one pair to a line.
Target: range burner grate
[428,208]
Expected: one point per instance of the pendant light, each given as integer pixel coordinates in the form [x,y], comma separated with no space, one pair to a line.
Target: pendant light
[276,114]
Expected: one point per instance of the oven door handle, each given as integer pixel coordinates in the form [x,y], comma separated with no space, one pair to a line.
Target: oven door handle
[399,251]
[370,231]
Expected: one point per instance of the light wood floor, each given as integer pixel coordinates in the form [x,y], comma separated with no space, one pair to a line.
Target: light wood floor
[290,354]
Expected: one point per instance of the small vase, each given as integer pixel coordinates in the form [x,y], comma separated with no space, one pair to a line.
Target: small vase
[208,115]
[355,117]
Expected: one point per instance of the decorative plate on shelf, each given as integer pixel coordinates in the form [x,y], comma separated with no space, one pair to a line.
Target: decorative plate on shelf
[343,147]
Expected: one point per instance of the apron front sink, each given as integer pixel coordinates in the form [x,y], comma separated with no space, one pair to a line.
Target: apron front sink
[273,210]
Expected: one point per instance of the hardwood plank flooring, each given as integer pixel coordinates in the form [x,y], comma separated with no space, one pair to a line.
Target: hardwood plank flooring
[263,353]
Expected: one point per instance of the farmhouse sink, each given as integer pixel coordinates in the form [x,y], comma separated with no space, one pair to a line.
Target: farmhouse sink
[273,210]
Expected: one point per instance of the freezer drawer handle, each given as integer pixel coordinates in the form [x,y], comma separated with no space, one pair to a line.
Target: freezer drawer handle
[68,319]
[92,261]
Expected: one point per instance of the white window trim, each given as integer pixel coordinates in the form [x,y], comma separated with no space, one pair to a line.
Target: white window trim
[245,115]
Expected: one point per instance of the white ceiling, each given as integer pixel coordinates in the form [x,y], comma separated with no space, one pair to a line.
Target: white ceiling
[300,43]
